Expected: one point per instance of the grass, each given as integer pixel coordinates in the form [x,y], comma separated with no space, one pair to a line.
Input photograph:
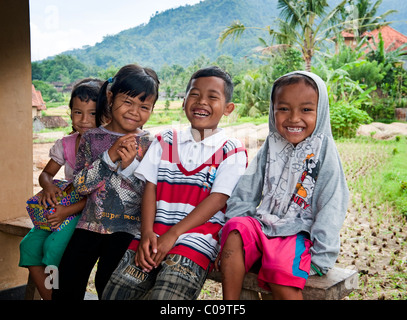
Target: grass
[374,236]
[377,170]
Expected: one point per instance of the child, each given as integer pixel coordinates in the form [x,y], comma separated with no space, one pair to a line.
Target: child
[41,248]
[289,206]
[189,176]
[106,159]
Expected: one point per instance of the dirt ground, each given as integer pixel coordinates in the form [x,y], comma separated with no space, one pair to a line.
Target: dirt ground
[371,247]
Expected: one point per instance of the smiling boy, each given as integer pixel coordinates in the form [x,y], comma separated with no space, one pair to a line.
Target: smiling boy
[206,102]
[189,177]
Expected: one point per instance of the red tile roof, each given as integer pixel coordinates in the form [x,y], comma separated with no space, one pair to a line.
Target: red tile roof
[392,38]
[36,99]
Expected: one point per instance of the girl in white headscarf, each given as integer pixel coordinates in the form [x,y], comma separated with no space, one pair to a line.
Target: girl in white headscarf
[289,206]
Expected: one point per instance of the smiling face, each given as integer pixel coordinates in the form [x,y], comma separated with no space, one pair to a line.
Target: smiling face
[205,104]
[129,114]
[83,115]
[295,111]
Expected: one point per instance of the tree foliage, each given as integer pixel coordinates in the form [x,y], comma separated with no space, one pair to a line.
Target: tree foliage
[62,68]
[305,24]
[309,24]
[363,15]
[48,92]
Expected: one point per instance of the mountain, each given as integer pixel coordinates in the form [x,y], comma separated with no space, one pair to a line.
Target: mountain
[181,35]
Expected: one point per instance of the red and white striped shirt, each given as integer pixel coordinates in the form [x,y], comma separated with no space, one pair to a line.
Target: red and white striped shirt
[181,189]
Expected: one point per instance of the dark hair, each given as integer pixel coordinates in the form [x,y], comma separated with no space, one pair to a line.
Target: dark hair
[214,71]
[86,89]
[293,79]
[131,80]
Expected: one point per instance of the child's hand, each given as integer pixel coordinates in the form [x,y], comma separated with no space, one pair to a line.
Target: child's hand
[164,245]
[147,246]
[119,144]
[127,152]
[56,219]
[49,196]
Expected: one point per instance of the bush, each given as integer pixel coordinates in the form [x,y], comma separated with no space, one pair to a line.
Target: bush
[382,110]
[48,92]
[346,119]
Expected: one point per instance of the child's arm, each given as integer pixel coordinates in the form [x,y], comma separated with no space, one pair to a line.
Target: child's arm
[329,202]
[148,241]
[201,214]
[50,191]
[247,194]
[62,212]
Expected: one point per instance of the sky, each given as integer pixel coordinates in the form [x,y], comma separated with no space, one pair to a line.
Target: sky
[57,26]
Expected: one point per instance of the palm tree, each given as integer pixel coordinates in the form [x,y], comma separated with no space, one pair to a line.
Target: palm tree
[365,15]
[304,24]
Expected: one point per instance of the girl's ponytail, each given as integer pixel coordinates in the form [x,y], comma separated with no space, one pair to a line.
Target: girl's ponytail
[102,108]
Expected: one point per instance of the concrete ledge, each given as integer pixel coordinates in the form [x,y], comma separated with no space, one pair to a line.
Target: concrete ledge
[19,226]
[337,284]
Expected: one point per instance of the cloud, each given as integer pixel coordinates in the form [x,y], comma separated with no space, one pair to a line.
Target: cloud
[58,26]
[51,42]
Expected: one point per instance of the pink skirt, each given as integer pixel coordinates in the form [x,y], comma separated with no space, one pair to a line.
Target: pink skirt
[284,260]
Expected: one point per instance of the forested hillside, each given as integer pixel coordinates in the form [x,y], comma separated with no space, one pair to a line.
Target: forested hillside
[178,36]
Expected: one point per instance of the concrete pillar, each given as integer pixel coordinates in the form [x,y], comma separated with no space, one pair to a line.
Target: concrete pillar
[16,175]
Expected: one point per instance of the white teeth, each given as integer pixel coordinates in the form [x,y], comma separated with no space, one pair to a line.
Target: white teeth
[297,129]
[200,114]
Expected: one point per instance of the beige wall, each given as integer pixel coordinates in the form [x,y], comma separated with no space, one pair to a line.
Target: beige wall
[16,176]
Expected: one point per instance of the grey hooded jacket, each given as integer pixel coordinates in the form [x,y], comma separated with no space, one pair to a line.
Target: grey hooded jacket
[292,189]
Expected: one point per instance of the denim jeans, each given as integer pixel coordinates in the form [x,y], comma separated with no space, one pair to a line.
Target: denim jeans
[177,278]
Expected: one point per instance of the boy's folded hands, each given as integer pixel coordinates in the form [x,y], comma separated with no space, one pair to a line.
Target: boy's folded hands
[152,250]
[147,246]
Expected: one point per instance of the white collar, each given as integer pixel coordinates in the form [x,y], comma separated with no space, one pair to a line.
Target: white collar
[211,141]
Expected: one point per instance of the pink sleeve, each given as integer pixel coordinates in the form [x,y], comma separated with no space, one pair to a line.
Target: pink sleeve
[69,143]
